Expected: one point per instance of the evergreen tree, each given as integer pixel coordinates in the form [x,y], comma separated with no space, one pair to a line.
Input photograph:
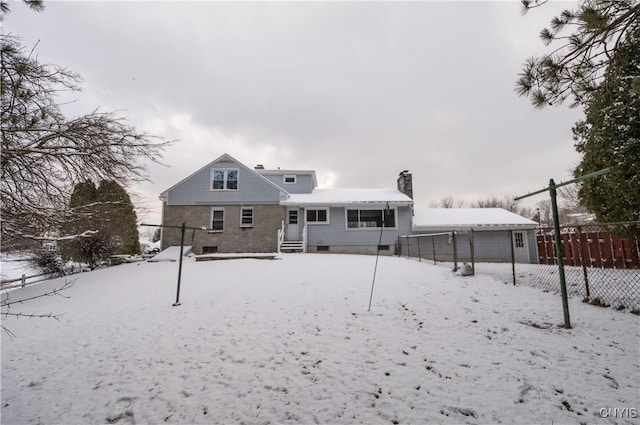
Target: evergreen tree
[103,223]
[576,65]
[609,136]
[120,220]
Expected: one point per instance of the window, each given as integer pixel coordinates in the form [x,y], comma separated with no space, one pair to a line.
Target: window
[293,216]
[224,179]
[209,249]
[318,216]
[518,238]
[217,220]
[246,217]
[290,179]
[359,219]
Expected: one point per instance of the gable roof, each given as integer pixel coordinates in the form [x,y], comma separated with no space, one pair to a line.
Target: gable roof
[223,158]
[346,197]
[477,219]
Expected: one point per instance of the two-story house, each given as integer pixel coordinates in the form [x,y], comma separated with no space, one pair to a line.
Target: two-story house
[243,209]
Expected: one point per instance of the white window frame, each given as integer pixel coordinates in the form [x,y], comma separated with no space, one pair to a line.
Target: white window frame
[359,229]
[288,176]
[314,223]
[225,182]
[518,239]
[213,210]
[242,217]
[297,214]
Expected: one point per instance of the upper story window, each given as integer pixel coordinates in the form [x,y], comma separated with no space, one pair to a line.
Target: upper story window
[366,219]
[317,215]
[224,179]
[290,179]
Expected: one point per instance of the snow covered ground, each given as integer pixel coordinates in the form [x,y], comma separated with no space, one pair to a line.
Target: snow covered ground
[291,341]
[615,287]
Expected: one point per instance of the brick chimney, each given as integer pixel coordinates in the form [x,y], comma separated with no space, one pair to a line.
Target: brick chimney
[405,184]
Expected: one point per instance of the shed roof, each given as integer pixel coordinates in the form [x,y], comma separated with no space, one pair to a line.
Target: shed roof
[469,218]
[345,197]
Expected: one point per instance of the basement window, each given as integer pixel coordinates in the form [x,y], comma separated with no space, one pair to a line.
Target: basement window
[209,249]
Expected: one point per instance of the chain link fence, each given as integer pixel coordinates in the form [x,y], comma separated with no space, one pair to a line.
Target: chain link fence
[601,262]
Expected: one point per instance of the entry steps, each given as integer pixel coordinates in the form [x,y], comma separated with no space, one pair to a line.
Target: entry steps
[292,246]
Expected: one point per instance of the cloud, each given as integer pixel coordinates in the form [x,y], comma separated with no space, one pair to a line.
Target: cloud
[356,91]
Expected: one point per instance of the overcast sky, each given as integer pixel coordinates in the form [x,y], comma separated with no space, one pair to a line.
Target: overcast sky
[356,91]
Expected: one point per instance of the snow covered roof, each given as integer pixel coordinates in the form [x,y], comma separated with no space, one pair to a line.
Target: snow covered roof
[341,197]
[469,218]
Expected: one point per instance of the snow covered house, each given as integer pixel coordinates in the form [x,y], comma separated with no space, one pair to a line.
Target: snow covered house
[259,210]
[494,232]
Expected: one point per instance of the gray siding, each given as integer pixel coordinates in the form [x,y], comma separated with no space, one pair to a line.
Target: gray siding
[304,182]
[490,246]
[336,235]
[196,189]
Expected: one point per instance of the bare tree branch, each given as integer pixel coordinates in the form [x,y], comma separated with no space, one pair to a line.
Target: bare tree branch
[45,154]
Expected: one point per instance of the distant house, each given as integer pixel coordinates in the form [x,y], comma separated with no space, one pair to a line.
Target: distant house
[494,232]
[259,210]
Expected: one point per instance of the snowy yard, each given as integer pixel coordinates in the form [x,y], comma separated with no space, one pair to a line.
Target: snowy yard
[291,341]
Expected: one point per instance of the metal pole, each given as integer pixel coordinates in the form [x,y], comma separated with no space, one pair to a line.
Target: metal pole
[419,253]
[473,253]
[177,303]
[433,245]
[385,212]
[455,252]
[556,228]
[583,260]
[513,258]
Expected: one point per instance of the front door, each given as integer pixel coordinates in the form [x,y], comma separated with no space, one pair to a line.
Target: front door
[292,233]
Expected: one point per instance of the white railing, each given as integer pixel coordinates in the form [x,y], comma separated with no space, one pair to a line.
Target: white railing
[304,238]
[280,237]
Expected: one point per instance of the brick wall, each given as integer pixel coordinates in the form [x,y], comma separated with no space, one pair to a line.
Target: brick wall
[261,237]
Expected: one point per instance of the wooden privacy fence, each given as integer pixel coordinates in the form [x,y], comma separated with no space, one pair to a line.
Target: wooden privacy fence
[590,246]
